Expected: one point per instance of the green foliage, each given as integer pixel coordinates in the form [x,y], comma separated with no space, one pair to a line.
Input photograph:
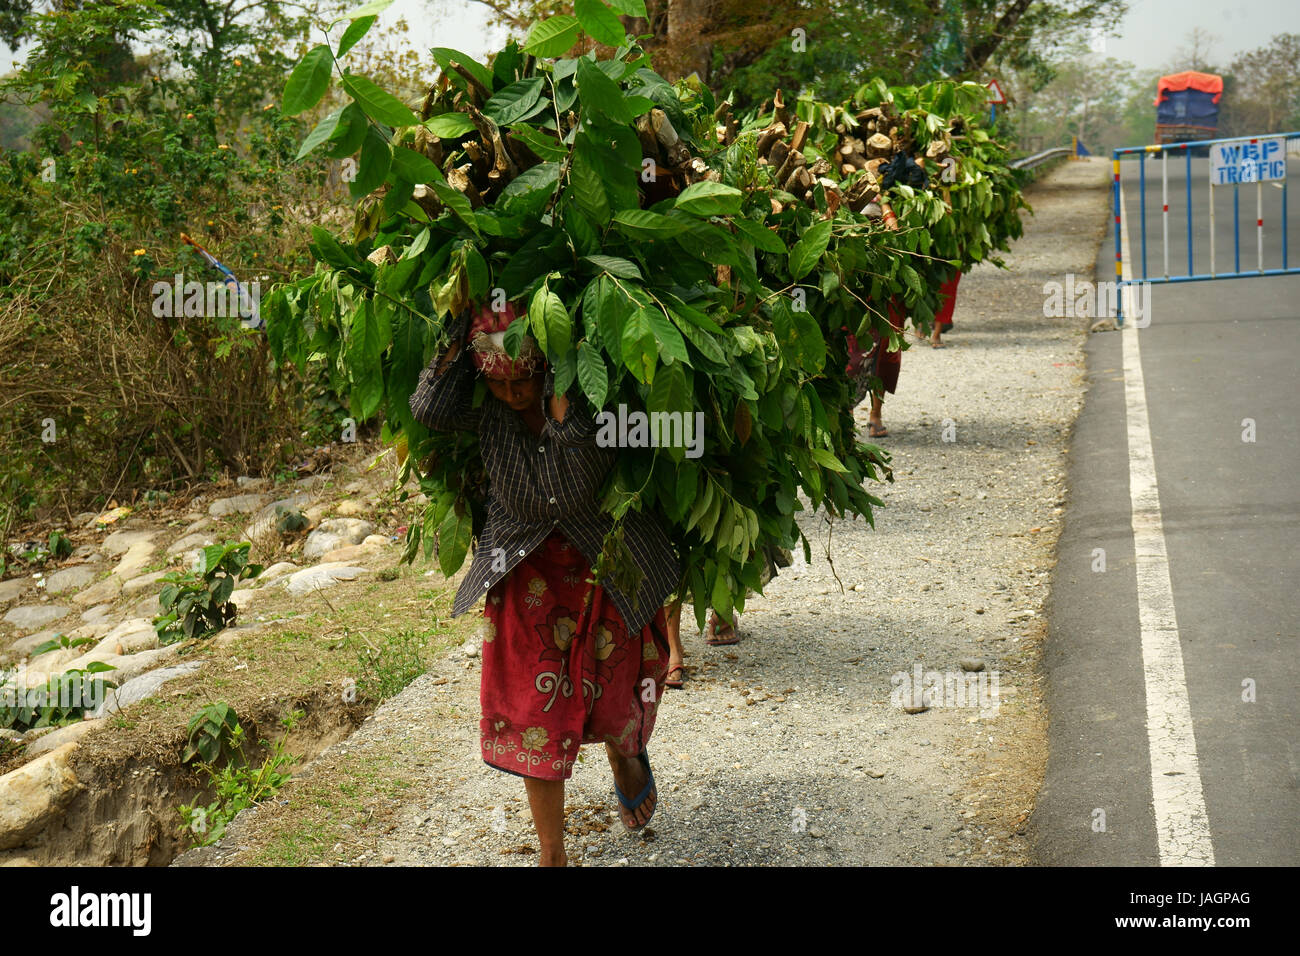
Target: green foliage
[64,699]
[214,732]
[59,642]
[196,604]
[237,784]
[615,274]
[384,670]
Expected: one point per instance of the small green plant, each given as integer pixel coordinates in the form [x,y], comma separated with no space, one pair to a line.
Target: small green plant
[196,604]
[213,732]
[389,574]
[60,642]
[64,698]
[386,669]
[237,784]
[59,544]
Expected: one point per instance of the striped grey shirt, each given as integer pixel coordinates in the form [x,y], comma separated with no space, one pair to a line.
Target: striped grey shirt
[539,484]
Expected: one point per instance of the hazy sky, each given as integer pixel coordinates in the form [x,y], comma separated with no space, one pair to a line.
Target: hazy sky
[1150,34]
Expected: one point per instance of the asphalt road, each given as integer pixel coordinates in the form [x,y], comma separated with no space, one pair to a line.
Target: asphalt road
[1215,354]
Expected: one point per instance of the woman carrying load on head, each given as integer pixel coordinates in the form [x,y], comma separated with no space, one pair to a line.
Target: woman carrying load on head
[565,662]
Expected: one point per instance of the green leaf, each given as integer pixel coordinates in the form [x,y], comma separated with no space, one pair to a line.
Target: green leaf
[631,8]
[350,134]
[380,105]
[456,201]
[709,199]
[453,539]
[640,352]
[614,266]
[355,31]
[828,460]
[376,159]
[592,375]
[366,10]
[758,234]
[642,224]
[516,102]
[308,81]
[600,22]
[550,322]
[443,55]
[449,125]
[810,247]
[546,147]
[553,36]
[320,133]
[530,191]
[588,190]
[415,167]
[671,344]
[600,96]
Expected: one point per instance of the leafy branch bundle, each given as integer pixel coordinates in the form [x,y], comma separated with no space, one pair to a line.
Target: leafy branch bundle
[657,266]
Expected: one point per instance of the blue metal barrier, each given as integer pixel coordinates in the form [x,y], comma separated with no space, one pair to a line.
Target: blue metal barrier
[1164,150]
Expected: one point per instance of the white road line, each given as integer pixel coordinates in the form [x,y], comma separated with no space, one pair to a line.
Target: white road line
[1182,824]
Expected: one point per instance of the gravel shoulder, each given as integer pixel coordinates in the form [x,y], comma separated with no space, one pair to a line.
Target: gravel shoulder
[786,749]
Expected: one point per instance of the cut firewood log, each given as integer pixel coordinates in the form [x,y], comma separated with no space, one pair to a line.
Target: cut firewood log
[427,200]
[873,168]
[458,179]
[768,137]
[879,145]
[481,165]
[429,145]
[778,153]
[481,93]
[675,150]
[732,129]
[649,141]
[819,168]
[780,113]
[936,148]
[800,136]
[793,160]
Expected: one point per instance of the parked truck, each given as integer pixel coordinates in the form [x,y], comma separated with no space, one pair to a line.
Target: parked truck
[1187,107]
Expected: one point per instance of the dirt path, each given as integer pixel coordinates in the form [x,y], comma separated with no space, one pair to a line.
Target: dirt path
[786,749]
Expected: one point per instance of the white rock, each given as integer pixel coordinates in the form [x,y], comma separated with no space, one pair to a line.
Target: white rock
[69,579]
[97,612]
[100,591]
[143,581]
[32,617]
[14,588]
[236,505]
[32,796]
[250,484]
[277,570]
[268,518]
[136,559]
[190,541]
[146,685]
[335,533]
[321,576]
[63,735]
[119,542]
[131,666]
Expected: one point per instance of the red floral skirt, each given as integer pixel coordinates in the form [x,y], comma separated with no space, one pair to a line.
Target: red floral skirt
[560,670]
[949,293]
[884,363]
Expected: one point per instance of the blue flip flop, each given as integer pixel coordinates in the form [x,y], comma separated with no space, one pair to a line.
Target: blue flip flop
[640,798]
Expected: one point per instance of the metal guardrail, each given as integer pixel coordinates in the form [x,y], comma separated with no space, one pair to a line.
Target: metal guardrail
[1029,162]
